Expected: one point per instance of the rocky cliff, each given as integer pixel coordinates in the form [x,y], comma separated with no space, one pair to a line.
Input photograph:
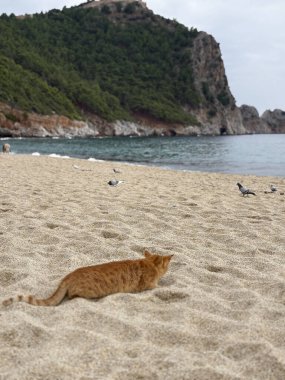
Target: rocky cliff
[215,110]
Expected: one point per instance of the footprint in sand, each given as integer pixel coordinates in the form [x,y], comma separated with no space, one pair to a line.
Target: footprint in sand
[188,216]
[233,271]
[5,209]
[257,218]
[215,269]
[138,248]
[170,296]
[52,226]
[45,239]
[113,235]
[23,337]
[8,278]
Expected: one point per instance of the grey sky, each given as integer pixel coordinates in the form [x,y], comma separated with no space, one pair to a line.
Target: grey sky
[251,34]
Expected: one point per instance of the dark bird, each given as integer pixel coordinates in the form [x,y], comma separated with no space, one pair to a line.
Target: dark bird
[244,190]
[114,182]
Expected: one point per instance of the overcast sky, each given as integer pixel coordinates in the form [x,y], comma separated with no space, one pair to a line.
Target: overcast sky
[251,34]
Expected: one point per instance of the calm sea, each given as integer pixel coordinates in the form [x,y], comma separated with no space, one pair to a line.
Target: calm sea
[248,154]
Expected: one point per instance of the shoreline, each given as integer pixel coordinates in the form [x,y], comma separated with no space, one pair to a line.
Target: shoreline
[129,163]
[231,156]
[219,311]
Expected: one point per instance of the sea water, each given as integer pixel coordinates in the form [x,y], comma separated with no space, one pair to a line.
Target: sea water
[246,154]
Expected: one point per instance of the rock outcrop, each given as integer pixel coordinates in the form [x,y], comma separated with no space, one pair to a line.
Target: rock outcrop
[268,122]
[16,123]
[111,3]
[217,113]
[243,120]
[252,121]
[275,120]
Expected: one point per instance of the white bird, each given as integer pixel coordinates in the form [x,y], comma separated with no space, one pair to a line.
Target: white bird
[273,188]
[117,171]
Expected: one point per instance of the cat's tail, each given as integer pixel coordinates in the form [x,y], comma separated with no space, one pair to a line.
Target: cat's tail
[53,300]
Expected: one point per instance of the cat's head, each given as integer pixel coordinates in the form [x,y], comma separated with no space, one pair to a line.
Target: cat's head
[161,262]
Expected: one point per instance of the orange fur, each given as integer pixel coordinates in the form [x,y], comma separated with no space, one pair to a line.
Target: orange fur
[104,279]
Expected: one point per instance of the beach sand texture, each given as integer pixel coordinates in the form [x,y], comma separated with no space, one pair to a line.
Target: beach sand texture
[219,312]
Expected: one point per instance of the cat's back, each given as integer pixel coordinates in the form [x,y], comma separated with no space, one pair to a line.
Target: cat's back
[117,276]
[113,267]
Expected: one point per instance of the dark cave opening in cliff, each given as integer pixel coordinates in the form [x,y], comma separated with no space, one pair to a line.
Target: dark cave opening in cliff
[223,131]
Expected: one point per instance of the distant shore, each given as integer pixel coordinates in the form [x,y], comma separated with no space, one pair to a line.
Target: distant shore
[217,314]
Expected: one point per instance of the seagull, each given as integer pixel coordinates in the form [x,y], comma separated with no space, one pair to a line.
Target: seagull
[117,171]
[244,190]
[273,188]
[114,182]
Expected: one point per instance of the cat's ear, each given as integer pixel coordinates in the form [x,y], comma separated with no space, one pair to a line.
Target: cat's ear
[147,254]
[167,259]
[158,260]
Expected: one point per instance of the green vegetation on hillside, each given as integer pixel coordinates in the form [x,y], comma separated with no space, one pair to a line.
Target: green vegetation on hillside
[78,60]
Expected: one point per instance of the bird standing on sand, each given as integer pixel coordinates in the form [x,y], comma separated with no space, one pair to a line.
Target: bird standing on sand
[244,190]
[273,188]
[117,171]
[114,182]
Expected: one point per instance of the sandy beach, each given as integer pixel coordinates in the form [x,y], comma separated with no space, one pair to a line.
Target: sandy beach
[219,311]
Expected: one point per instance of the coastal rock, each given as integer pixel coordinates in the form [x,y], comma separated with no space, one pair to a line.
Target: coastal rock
[243,120]
[131,129]
[252,121]
[16,123]
[218,113]
[275,120]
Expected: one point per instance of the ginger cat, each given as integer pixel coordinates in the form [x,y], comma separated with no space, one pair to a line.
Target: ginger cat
[104,279]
